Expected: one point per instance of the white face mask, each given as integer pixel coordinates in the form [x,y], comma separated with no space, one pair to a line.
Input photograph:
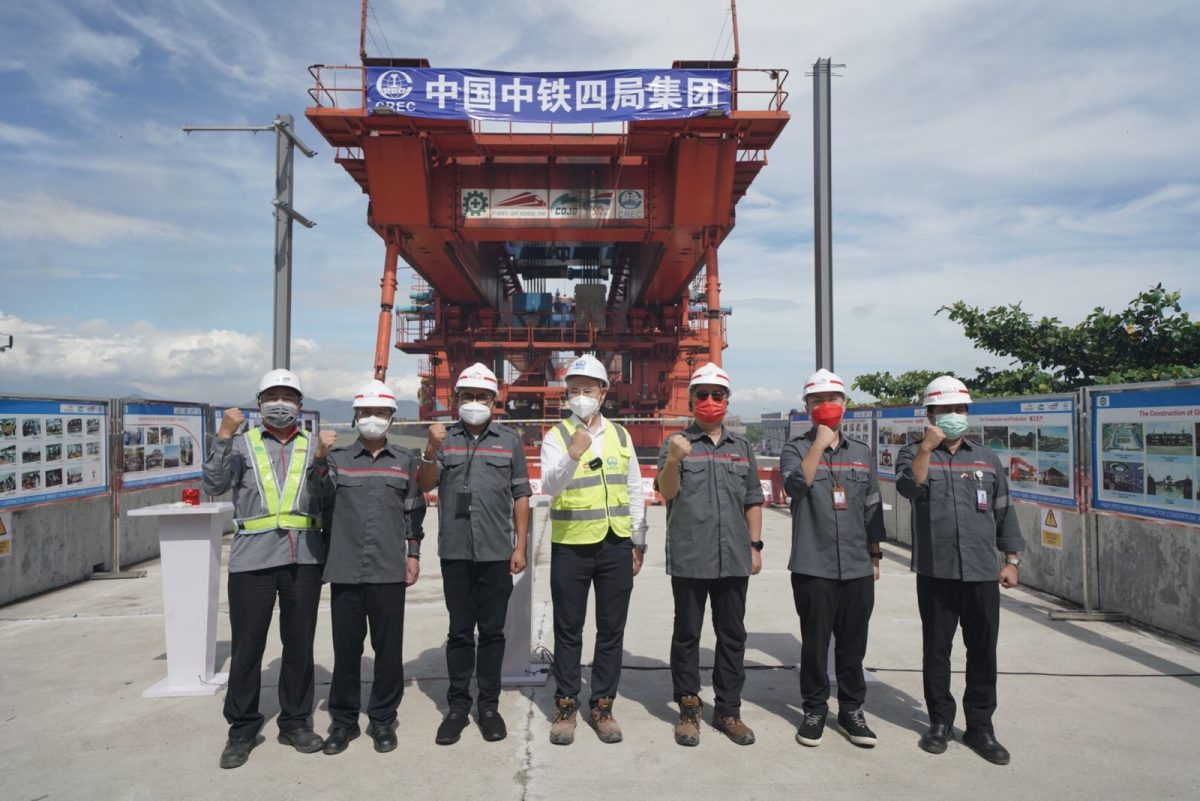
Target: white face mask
[585,406]
[372,427]
[474,413]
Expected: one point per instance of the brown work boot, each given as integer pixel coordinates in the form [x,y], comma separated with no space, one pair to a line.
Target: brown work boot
[562,730]
[687,730]
[734,729]
[607,728]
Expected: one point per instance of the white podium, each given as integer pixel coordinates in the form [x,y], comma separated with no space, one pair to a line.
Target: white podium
[518,668]
[190,542]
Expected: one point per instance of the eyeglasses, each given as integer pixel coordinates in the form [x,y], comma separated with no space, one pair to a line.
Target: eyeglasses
[717,394]
[484,397]
[591,392]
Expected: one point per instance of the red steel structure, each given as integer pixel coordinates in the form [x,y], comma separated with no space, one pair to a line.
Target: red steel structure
[642,294]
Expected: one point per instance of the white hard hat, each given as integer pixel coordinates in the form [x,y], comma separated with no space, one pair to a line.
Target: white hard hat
[710,374]
[823,381]
[590,367]
[946,390]
[477,376]
[375,394]
[280,378]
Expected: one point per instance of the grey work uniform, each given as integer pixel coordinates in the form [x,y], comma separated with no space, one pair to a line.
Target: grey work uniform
[475,546]
[375,525]
[708,558]
[957,540]
[265,566]
[833,583]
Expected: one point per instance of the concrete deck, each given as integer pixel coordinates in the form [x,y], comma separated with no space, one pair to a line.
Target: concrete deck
[1088,710]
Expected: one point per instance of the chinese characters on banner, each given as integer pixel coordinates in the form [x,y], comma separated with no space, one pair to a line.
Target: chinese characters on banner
[50,450]
[1145,452]
[548,97]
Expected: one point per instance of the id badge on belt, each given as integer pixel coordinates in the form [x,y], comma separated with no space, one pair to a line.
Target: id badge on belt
[839,498]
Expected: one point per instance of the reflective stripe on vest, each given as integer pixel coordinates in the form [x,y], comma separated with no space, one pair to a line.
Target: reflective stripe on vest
[273,499]
[593,501]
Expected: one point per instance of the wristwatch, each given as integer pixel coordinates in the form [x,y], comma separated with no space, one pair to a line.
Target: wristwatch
[1012,560]
[757,545]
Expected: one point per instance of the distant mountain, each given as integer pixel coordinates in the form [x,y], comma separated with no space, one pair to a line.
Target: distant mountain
[342,411]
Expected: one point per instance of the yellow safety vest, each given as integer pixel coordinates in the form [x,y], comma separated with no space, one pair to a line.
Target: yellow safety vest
[273,499]
[596,499]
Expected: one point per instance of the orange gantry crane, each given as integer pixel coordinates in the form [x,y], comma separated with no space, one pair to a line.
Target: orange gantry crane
[532,244]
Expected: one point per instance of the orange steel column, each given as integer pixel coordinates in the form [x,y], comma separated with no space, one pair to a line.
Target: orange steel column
[714,302]
[387,298]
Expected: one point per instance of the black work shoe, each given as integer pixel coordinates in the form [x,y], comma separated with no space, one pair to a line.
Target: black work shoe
[812,729]
[935,738]
[985,744]
[853,724]
[384,737]
[451,728]
[237,751]
[339,739]
[306,741]
[492,726]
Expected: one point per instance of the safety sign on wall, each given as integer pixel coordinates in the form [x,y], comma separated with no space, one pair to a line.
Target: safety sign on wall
[51,449]
[161,442]
[1145,452]
[5,534]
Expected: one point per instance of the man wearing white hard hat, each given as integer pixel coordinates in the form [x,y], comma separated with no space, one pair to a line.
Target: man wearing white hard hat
[837,528]
[962,520]
[478,467]
[277,553]
[709,478]
[598,537]
[374,556]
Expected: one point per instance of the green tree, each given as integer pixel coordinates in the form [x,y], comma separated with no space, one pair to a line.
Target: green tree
[1152,339]
[754,433]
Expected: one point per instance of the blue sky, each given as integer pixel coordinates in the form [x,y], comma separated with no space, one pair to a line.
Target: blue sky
[1027,151]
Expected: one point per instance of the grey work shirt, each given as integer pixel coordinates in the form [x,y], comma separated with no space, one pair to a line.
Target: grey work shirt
[375,500]
[230,467]
[492,468]
[828,542]
[952,537]
[707,533]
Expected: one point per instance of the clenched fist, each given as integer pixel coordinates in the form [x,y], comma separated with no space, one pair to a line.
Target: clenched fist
[824,438]
[325,442]
[437,437]
[678,446]
[231,421]
[933,437]
[580,441]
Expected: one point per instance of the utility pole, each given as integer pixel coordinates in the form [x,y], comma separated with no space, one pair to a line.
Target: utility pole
[286,144]
[822,215]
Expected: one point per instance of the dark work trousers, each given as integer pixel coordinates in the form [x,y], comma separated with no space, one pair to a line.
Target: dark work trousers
[477,595]
[728,598]
[252,597]
[353,607]
[841,608]
[608,565]
[944,605]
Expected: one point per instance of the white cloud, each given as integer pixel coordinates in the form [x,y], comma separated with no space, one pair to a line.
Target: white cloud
[23,136]
[48,217]
[215,365]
